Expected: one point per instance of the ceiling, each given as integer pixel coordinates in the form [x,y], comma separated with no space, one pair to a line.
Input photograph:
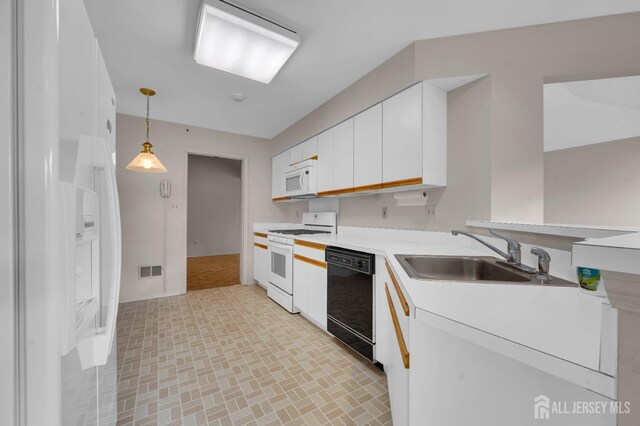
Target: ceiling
[150,43]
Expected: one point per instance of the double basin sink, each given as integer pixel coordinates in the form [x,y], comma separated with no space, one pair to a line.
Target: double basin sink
[472,269]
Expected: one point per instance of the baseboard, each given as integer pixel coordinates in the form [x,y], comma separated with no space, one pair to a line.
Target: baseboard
[153,296]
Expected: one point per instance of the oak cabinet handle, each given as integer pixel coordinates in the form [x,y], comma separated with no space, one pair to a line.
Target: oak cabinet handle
[396,325]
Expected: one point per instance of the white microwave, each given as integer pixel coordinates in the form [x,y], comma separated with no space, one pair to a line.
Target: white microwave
[301,180]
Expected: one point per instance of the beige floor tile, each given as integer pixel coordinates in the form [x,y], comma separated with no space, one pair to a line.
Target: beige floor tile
[231,356]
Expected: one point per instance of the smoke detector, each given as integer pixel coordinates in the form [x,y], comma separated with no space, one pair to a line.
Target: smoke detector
[238,97]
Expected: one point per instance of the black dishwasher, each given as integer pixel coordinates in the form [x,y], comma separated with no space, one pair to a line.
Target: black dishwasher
[350,298]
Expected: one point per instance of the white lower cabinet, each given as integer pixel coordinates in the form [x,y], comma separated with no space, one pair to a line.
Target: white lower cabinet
[261,265]
[310,286]
[301,285]
[396,339]
[318,294]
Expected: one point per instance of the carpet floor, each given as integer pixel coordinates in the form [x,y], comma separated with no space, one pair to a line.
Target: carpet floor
[213,271]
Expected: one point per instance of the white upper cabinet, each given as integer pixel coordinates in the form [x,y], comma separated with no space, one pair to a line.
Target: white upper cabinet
[343,155]
[304,151]
[399,142]
[279,165]
[325,161]
[295,154]
[367,147]
[310,148]
[402,136]
[434,123]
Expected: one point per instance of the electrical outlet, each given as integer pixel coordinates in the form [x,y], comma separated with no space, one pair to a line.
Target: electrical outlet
[384,212]
[298,214]
[431,211]
[174,206]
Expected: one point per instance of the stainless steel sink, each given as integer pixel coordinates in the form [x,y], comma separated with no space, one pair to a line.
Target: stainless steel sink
[469,269]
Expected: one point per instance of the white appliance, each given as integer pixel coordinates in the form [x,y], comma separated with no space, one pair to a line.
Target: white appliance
[280,247]
[301,181]
[68,236]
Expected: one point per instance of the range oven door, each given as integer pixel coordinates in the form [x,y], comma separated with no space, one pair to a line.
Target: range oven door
[281,266]
[301,182]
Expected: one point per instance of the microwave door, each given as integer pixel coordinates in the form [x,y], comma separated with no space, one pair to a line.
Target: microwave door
[293,183]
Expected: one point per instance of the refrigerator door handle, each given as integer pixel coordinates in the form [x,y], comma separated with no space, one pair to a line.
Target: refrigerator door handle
[95,349]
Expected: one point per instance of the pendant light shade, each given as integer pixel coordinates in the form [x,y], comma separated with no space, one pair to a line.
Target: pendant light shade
[146,161]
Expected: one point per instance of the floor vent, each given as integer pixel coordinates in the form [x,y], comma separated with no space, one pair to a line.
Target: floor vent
[149,271]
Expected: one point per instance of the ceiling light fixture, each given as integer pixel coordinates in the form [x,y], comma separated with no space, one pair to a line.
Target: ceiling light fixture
[146,161]
[240,42]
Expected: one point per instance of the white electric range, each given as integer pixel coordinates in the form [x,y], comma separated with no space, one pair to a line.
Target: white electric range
[280,244]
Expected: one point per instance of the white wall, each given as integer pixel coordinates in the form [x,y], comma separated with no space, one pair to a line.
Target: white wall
[142,207]
[503,126]
[214,206]
[596,184]
[579,113]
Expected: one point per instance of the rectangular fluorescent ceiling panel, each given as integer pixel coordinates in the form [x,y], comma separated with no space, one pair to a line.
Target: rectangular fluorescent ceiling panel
[235,40]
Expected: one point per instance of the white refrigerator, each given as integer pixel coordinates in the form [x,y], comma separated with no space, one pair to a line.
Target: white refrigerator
[60,215]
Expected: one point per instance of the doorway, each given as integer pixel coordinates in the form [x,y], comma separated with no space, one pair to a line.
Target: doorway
[214,221]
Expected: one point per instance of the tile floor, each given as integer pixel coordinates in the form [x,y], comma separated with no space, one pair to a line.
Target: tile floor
[228,356]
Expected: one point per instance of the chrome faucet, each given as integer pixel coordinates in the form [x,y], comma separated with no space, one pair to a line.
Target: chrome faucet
[543,261]
[513,256]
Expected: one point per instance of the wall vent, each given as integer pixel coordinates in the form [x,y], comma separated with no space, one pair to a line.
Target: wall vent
[149,271]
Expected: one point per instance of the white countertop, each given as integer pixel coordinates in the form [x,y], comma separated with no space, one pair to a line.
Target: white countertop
[560,323]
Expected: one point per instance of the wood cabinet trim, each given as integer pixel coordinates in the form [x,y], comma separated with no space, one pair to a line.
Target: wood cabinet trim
[262,246]
[335,192]
[310,261]
[372,187]
[280,199]
[315,157]
[404,353]
[403,182]
[310,245]
[403,300]
[260,234]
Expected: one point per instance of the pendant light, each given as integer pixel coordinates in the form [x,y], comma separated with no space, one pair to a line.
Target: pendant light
[146,161]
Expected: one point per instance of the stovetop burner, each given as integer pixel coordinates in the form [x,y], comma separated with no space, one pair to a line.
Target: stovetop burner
[298,231]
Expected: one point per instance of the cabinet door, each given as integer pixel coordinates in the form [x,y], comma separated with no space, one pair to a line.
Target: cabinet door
[343,155]
[295,154]
[318,294]
[261,265]
[325,161]
[397,373]
[367,147]
[301,285]
[402,136]
[310,148]
[279,165]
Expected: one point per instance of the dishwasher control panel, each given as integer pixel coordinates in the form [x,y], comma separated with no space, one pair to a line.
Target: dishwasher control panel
[361,262]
